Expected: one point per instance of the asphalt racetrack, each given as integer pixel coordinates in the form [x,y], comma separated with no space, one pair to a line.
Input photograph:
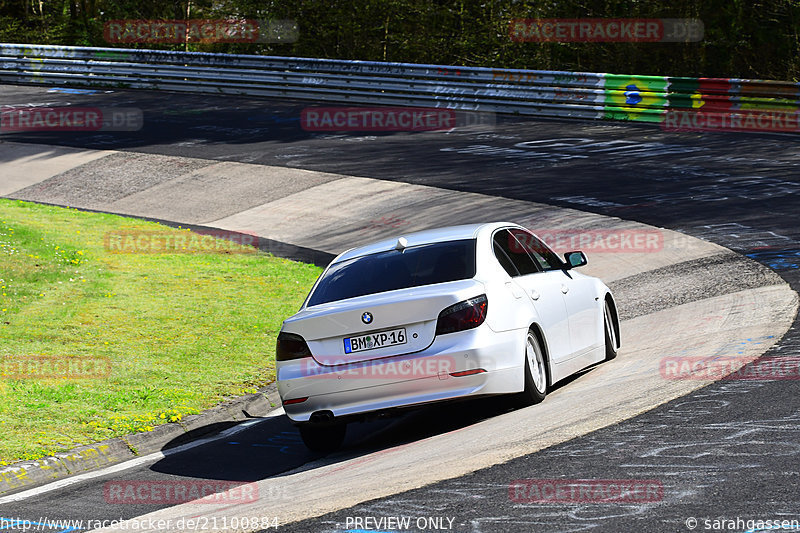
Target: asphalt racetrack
[727,451]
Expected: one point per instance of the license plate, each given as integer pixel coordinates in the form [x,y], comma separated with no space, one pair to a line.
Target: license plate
[374,341]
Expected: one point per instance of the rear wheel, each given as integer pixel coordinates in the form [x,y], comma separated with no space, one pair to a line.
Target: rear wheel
[535,372]
[610,333]
[323,438]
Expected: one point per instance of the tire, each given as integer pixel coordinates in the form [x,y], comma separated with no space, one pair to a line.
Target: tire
[535,373]
[610,332]
[323,438]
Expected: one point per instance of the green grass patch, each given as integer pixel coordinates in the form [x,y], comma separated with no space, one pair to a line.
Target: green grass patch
[150,337]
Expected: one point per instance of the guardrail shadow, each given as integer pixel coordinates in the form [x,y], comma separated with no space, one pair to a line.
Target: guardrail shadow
[183,119]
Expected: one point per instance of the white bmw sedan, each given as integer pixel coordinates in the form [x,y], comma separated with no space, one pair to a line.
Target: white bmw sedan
[456,312]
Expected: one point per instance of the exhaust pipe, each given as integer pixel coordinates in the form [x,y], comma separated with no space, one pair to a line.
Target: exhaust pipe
[322,417]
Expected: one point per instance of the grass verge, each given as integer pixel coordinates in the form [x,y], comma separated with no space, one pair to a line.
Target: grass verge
[96,344]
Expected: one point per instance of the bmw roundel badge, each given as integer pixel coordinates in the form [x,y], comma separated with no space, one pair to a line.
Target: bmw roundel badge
[366,318]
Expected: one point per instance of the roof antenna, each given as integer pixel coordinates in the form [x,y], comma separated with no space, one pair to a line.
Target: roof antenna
[402,242]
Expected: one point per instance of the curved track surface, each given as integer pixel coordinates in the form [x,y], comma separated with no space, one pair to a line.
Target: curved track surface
[715,186]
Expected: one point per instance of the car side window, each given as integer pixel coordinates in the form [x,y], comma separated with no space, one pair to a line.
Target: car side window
[512,255]
[505,261]
[544,257]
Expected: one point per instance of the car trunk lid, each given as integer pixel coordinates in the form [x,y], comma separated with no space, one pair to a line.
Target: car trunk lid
[380,325]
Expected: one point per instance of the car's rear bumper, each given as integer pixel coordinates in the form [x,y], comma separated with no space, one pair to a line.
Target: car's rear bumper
[402,381]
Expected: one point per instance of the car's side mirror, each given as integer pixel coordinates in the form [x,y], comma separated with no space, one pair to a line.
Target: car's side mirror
[575,259]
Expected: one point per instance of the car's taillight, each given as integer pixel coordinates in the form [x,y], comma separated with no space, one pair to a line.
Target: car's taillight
[463,315]
[291,346]
[295,400]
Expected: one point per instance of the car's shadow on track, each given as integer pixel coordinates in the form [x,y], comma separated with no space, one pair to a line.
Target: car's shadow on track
[273,447]
[265,449]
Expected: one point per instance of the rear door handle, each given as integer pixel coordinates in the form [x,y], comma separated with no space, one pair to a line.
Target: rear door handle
[534,294]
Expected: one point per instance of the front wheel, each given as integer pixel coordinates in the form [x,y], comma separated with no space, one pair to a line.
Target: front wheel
[610,333]
[535,373]
[323,438]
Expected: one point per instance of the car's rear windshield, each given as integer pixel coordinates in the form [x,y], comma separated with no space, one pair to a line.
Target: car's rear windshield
[386,271]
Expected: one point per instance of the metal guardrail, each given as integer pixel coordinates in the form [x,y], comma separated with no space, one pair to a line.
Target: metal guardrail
[526,92]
